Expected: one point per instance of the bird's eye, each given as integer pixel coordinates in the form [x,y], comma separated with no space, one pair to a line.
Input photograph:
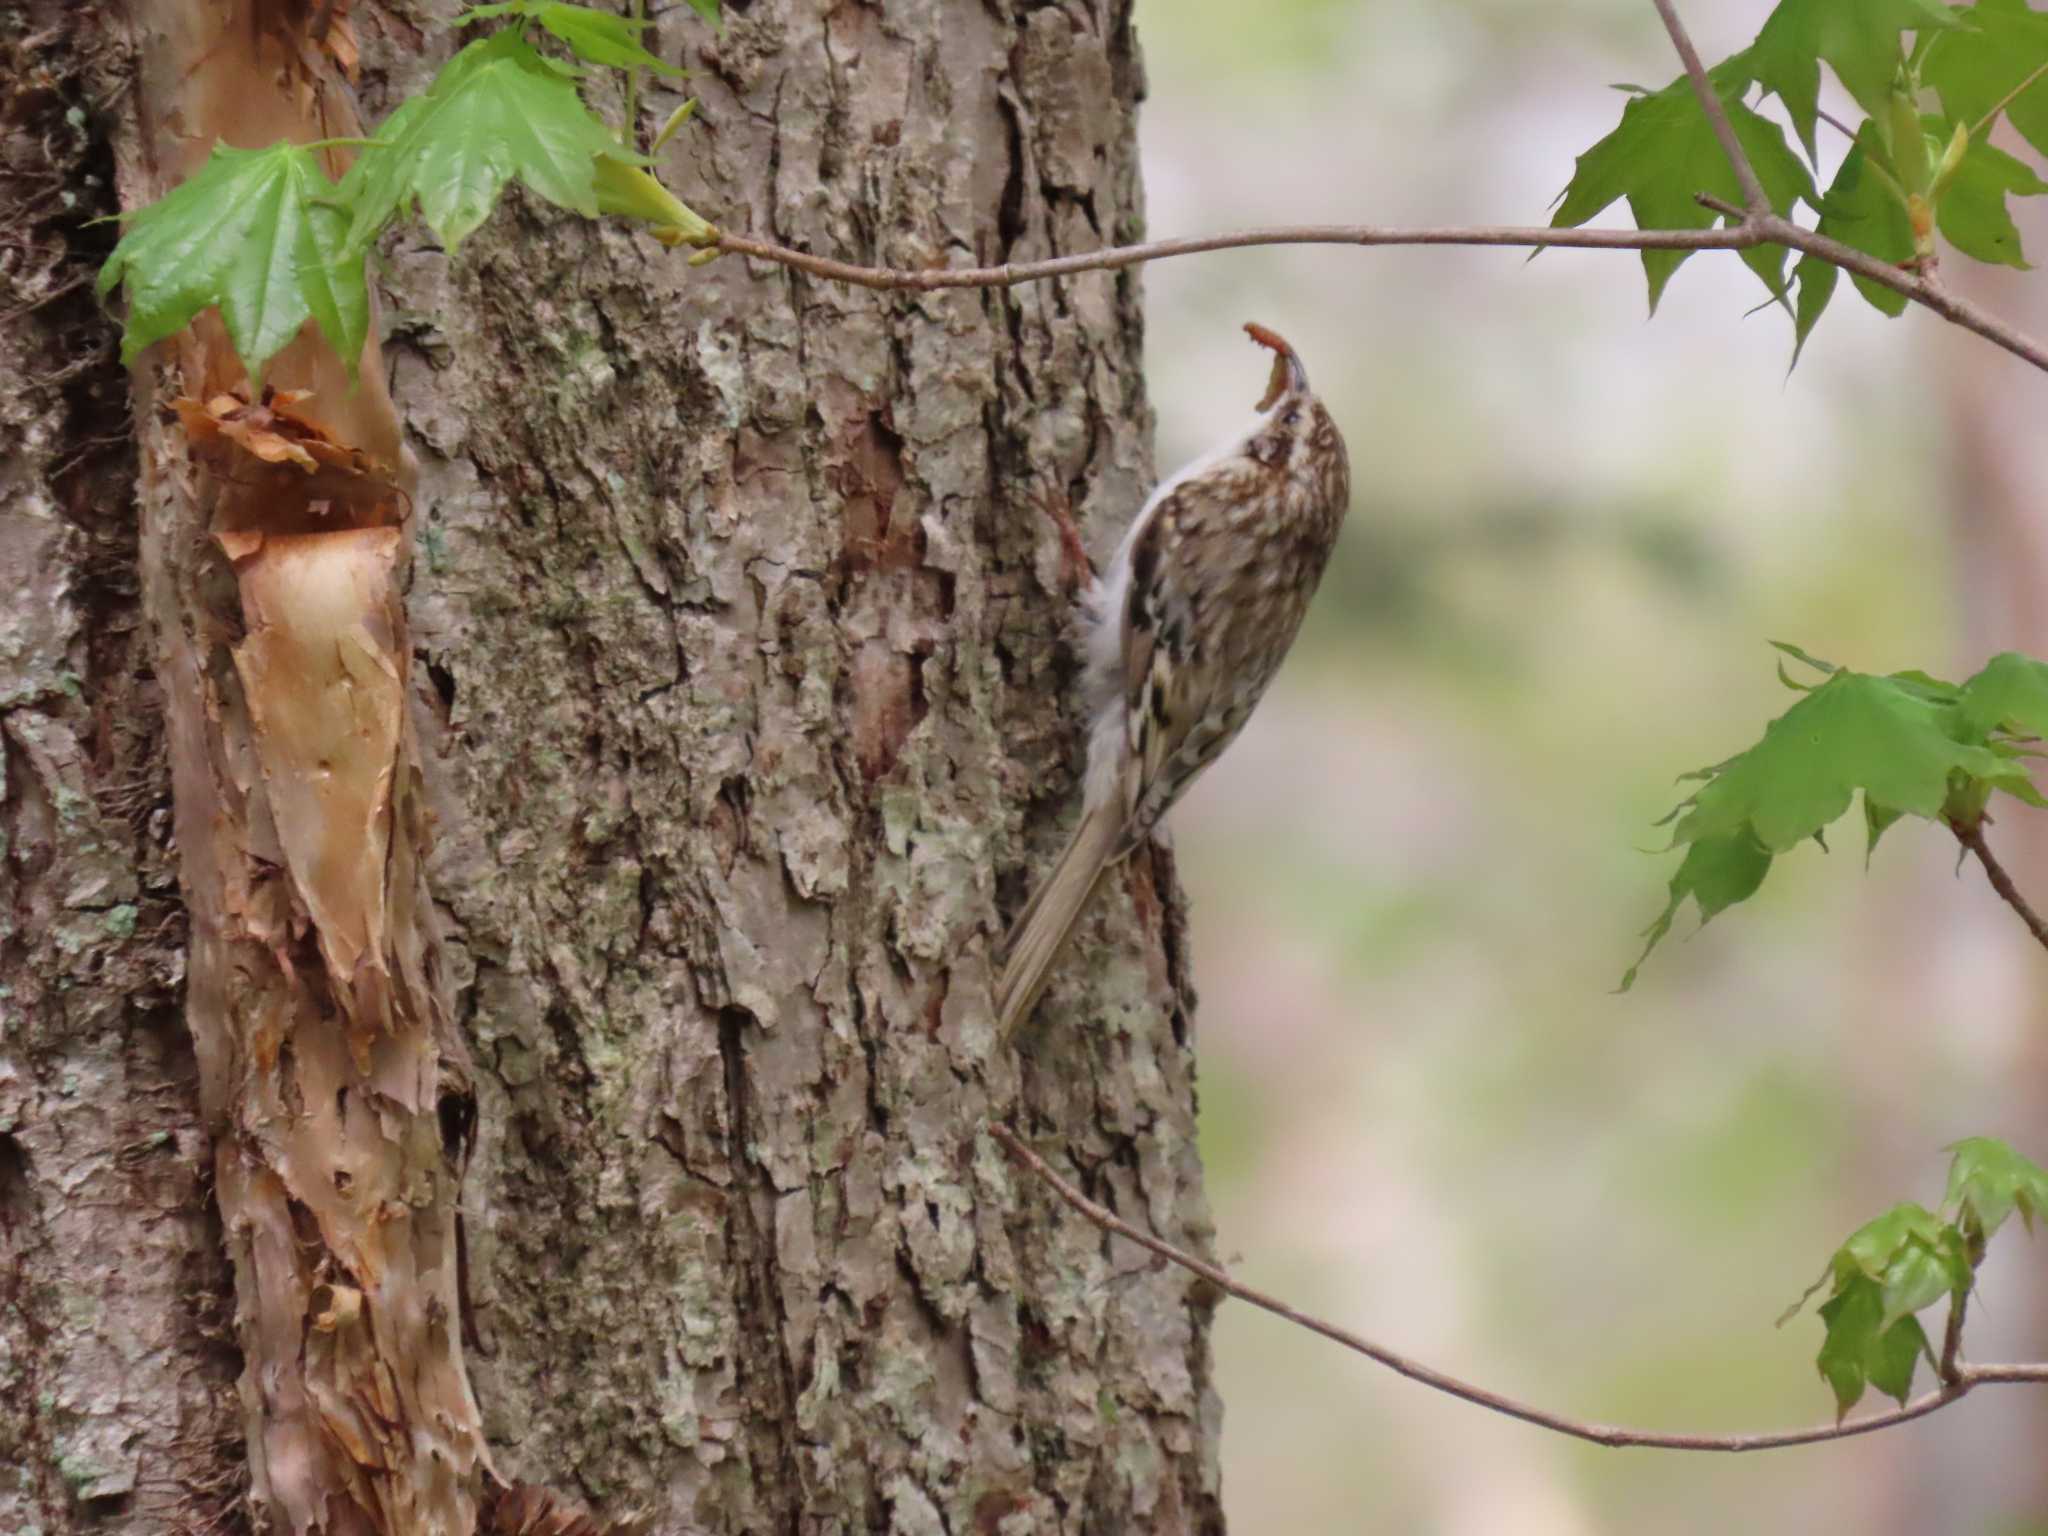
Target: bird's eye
[1292,418]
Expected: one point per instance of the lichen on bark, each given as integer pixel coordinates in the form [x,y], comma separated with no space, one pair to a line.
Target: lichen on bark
[116,1356]
[745,597]
[738,665]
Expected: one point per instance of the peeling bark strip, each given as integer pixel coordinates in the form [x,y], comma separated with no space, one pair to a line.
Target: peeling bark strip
[273,552]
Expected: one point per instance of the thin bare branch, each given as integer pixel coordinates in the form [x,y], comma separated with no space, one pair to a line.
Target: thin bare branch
[1950,1368]
[1835,123]
[1771,229]
[1987,1374]
[1115,258]
[1972,838]
[1966,1377]
[1753,196]
[1919,287]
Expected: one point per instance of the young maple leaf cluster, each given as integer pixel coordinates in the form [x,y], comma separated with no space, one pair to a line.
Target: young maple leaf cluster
[1909,1258]
[1912,744]
[269,239]
[1909,172]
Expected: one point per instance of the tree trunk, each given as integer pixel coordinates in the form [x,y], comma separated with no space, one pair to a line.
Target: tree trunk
[117,1350]
[739,666]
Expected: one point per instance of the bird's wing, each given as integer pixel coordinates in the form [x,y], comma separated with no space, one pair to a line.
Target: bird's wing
[1168,676]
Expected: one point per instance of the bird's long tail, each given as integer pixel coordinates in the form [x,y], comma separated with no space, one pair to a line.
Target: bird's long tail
[1041,930]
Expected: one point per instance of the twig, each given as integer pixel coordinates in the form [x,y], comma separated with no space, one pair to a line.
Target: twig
[1972,838]
[8,317]
[1115,258]
[1967,1377]
[1835,123]
[1769,230]
[1949,1369]
[1753,194]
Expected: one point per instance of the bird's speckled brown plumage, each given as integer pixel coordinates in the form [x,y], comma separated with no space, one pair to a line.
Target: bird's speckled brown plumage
[1188,626]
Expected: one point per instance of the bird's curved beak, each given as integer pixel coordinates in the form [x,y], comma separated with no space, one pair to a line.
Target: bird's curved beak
[1288,374]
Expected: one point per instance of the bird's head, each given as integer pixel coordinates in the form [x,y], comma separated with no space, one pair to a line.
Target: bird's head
[1294,433]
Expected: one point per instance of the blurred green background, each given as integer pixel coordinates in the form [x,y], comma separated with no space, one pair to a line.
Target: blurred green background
[1418,877]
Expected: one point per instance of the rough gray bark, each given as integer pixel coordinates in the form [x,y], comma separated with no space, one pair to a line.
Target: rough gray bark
[738,611]
[743,600]
[117,1360]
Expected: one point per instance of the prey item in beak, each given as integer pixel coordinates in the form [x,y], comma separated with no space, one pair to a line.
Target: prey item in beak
[1287,370]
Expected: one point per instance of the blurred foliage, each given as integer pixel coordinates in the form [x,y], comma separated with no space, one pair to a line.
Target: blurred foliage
[1424,1113]
[1404,579]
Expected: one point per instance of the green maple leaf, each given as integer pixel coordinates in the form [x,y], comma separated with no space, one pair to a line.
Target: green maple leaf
[1717,872]
[1859,210]
[1972,213]
[599,37]
[1877,820]
[256,233]
[1915,1258]
[1977,65]
[1859,39]
[1857,1351]
[1887,1271]
[496,110]
[1988,1181]
[1664,151]
[1909,743]
[2009,695]
[1885,736]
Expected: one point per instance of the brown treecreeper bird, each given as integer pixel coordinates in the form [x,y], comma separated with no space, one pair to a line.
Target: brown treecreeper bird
[1184,633]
